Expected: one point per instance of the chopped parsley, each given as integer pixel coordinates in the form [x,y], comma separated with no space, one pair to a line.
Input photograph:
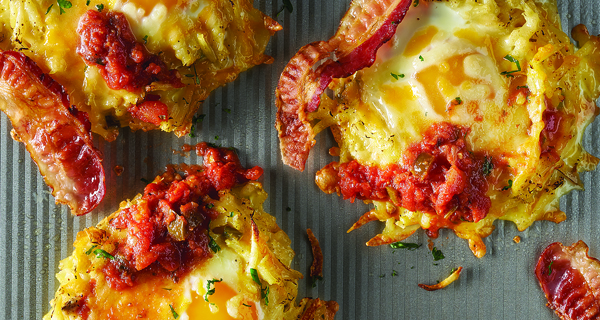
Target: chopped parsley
[513,60]
[216,137]
[487,166]
[416,3]
[394,273]
[508,186]
[397,76]
[264,292]
[145,38]
[50,7]
[175,314]
[100,7]
[421,58]
[87,3]
[550,268]
[213,245]
[231,214]
[195,121]
[103,254]
[210,205]
[437,254]
[246,305]
[313,281]
[91,249]
[404,245]
[227,110]
[63,4]
[196,75]
[458,100]
[286,5]
[144,180]
[209,291]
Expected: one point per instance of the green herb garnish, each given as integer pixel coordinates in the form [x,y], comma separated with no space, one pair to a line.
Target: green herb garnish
[64,4]
[91,249]
[254,275]
[212,244]
[246,305]
[145,38]
[513,60]
[437,254]
[458,100]
[286,5]
[264,292]
[416,3]
[50,7]
[550,268]
[508,186]
[144,180]
[210,205]
[195,120]
[394,273]
[209,291]
[87,3]
[397,76]
[100,7]
[404,245]
[175,315]
[488,166]
[421,58]
[103,254]
[227,110]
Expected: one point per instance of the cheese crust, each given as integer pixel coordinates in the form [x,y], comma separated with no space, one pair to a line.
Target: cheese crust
[207,43]
[513,93]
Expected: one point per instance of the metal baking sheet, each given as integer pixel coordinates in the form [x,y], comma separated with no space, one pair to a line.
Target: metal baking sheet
[35,234]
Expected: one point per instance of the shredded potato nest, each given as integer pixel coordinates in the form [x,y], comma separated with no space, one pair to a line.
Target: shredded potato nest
[531,173]
[242,227]
[209,44]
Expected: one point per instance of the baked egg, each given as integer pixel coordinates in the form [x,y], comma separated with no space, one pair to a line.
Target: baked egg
[471,112]
[203,44]
[197,244]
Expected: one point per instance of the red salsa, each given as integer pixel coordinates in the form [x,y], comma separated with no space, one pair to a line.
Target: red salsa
[167,232]
[107,42]
[437,175]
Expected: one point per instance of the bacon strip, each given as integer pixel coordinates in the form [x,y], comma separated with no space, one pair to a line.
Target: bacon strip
[366,26]
[570,280]
[57,136]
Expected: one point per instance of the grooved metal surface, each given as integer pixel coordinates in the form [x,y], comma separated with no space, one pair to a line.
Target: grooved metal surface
[35,234]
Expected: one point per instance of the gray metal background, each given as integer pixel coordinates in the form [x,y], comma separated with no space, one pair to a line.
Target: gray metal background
[35,234]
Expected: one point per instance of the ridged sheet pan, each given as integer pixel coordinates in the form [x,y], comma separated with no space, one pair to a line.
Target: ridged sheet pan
[35,234]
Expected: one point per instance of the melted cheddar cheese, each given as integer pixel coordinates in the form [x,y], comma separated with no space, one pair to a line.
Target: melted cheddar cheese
[505,73]
[222,286]
[208,42]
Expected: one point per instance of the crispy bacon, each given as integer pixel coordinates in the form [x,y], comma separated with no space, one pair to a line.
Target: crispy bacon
[570,280]
[366,26]
[57,136]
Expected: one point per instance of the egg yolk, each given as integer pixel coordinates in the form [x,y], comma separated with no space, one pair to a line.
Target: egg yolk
[216,307]
[420,41]
[443,82]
